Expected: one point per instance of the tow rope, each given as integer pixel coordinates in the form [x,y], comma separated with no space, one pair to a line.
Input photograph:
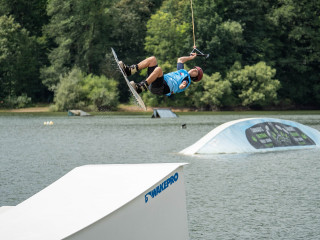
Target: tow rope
[197,51]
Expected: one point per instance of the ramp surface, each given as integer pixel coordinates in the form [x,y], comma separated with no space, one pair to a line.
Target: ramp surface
[255,135]
[163,113]
[130,201]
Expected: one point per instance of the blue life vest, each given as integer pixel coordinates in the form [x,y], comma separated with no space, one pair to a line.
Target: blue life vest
[174,79]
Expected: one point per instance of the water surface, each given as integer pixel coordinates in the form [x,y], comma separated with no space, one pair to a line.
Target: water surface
[273,195]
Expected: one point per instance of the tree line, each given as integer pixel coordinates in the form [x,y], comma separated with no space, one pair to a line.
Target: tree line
[263,53]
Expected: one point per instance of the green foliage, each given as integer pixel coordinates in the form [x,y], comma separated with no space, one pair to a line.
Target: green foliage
[217,92]
[297,26]
[18,60]
[101,92]
[151,99]
[166,36]
[17,102]
[80,31]
[221,37]
[254,85]
[70,94]
[84,31]
[251,86]
[76,90]
[30,14]
[57,35]
[128,29]
[194,94]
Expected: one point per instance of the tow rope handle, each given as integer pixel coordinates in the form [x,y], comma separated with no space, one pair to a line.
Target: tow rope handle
[199,53]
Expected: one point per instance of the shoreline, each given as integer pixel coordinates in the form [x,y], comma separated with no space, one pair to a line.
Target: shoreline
[132,109]
[122,108]
[27,110]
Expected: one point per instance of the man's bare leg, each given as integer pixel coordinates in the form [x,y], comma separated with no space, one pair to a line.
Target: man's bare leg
[157,72]
[143,85]
[148,62]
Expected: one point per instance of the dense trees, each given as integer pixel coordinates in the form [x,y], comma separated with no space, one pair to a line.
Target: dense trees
[78,90]
[263,53]
[79,30]
[297,56]
[18,60]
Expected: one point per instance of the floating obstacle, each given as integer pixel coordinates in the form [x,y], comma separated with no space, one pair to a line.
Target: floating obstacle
[78,113]
[48,123]
[255,135]
[129,201]
[163,113]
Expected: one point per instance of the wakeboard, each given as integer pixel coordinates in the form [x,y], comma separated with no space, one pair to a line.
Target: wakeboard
[133,91]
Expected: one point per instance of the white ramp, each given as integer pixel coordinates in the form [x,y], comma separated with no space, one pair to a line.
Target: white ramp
[78,113]
[116,202]
[5,208]
[163,113]
[255,135]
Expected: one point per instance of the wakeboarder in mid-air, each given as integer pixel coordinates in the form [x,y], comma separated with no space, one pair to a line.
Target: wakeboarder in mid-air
[163,84]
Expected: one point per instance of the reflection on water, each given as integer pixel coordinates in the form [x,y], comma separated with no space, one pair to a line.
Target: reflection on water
[238,196]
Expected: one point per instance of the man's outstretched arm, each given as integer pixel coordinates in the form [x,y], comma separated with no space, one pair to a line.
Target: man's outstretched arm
[186,59]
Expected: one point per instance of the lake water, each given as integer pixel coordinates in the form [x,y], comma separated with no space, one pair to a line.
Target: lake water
[273,195]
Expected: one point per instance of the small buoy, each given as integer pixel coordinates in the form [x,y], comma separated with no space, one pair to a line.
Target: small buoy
[184,126]
[48,123]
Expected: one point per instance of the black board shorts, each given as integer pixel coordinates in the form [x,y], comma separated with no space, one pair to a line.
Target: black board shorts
[159,86]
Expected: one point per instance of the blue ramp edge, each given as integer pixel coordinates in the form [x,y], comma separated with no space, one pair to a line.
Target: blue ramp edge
[256,135]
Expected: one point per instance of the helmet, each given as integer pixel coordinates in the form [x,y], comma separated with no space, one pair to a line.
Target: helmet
[200,74]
